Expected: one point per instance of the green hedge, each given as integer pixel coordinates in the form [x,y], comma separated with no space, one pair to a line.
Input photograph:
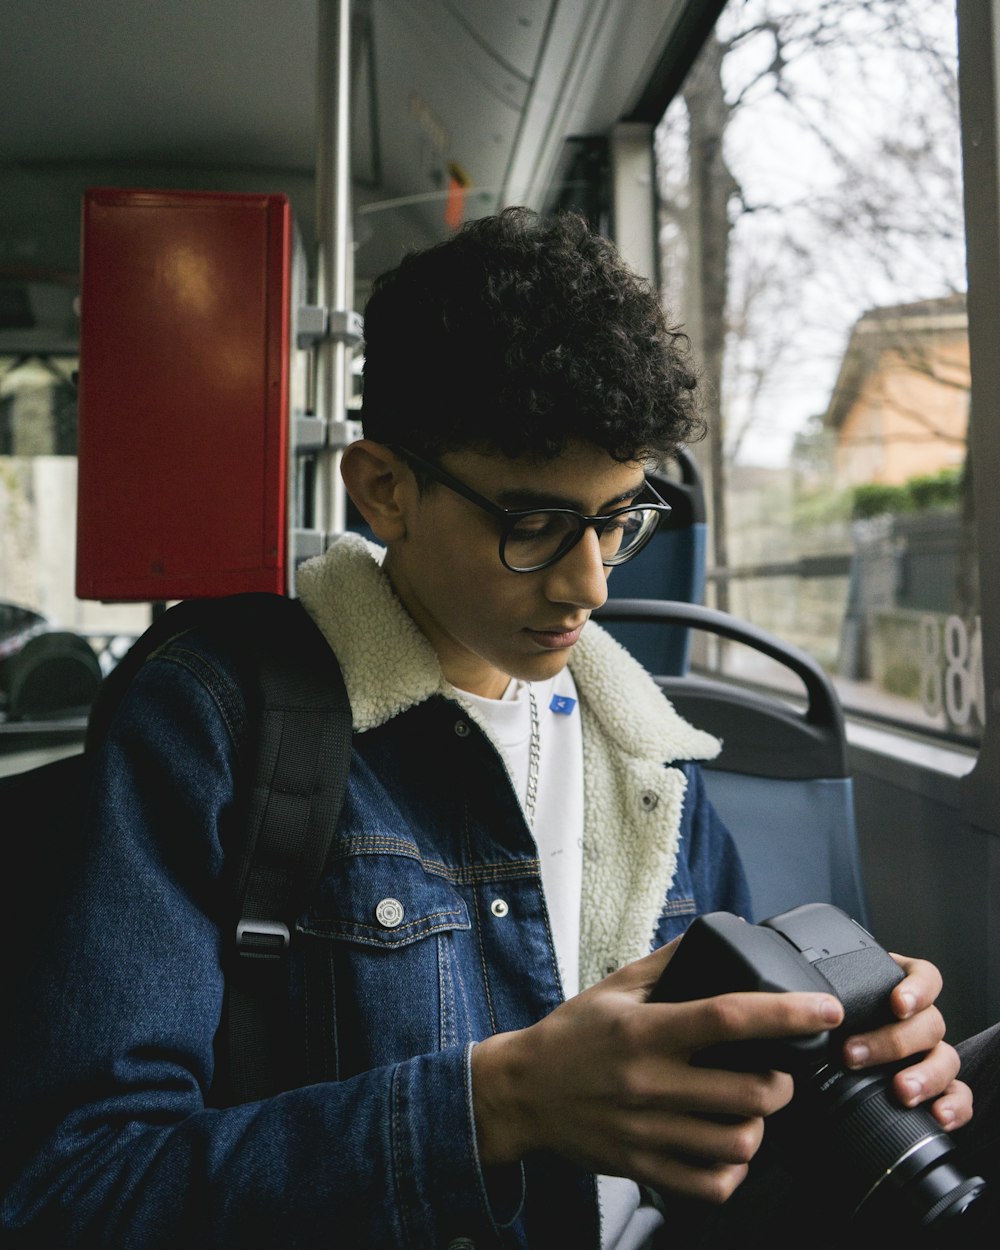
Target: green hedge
[941,490]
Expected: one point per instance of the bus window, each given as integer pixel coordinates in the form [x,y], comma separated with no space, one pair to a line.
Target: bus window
[812,237]
[53,646]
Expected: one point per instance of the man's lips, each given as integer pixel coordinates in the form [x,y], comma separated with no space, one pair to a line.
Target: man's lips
[558,637]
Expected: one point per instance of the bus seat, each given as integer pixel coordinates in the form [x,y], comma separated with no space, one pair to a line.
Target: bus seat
[781,781]
[672,566]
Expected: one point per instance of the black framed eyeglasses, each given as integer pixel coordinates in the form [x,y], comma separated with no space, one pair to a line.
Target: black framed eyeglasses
[536,538]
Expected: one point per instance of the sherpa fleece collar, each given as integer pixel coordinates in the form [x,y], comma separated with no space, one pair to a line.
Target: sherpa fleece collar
[389,665]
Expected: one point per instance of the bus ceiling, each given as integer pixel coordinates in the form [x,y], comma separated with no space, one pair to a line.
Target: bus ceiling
[455,106]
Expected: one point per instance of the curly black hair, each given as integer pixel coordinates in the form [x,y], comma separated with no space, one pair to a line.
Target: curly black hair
[519,335]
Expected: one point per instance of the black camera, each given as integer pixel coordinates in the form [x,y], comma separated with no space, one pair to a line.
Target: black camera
[888,1161]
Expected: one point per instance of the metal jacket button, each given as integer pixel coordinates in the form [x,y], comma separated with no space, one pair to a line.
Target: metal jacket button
[461,728]
[499,908]
[389,913]
[649,800]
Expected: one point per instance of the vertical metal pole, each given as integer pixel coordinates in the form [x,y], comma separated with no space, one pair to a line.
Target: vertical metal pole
[333,235]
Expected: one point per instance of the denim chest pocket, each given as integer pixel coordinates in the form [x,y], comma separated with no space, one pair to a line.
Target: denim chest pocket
[386,900]
[392,935]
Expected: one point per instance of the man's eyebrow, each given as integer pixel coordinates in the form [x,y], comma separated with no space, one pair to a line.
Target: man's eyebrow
[521,499]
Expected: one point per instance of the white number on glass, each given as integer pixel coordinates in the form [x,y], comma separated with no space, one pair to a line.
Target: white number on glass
[951,677]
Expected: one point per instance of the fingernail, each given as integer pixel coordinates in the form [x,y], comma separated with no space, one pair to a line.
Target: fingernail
[857,1054]
[914,1088]
[945,1116]
[909,1003]
[829,1010]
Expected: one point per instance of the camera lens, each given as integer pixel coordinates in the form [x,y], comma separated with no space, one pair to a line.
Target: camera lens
[891,1160]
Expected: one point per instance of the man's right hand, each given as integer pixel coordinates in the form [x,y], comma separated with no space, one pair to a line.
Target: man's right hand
[606,1081]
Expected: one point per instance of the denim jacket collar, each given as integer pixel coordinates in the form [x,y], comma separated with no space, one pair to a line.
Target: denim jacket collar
[387,662]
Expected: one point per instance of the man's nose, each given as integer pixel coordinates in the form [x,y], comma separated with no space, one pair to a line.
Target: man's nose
[580,577]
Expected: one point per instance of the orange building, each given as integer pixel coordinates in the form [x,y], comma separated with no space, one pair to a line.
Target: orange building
[900,405]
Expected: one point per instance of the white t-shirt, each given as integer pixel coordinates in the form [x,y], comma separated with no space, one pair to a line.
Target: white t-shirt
[558,831]
[558,820]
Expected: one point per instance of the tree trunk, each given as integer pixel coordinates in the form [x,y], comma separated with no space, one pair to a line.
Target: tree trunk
[712,186]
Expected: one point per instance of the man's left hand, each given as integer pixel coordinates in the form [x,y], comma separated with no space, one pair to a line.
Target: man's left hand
[919,1031]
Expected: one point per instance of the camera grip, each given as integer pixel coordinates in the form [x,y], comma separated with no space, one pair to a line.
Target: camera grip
[855,967]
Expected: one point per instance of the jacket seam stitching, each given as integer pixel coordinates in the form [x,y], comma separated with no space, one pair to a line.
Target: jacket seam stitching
[480,872]
[479,935]
[209,678]
[398,1169]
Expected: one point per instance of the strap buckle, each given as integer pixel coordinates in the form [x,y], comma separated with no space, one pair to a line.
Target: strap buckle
[262,939]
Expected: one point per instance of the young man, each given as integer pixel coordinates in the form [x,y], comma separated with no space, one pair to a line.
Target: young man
[524,830]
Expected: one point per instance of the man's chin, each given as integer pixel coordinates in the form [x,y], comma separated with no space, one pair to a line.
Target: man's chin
[544,665]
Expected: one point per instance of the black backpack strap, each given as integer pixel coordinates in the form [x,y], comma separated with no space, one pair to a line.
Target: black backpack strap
[302,757]
[300,732]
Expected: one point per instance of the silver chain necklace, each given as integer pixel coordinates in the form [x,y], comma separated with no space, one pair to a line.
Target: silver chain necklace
[534,755]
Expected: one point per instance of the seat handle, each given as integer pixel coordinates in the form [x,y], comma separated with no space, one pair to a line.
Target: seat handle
[823,707]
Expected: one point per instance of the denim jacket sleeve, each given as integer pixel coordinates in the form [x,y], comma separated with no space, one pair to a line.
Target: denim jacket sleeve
[110,1136]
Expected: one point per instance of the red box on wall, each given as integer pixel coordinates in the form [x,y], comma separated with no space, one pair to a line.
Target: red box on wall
[183,394]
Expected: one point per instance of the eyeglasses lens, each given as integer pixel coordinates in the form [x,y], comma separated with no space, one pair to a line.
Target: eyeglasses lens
[540,538]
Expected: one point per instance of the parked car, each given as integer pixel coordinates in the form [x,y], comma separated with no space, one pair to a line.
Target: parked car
[17,625]
[46,673]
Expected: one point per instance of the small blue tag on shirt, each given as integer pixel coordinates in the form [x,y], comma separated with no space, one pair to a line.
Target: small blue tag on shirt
[562,704]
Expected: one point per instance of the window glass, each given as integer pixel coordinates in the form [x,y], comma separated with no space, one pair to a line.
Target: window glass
[812,242]
[54,647]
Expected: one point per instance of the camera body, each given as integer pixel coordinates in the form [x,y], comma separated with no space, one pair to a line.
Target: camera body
[885,1160]
[815,947]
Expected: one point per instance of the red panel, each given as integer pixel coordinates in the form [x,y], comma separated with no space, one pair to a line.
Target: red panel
[183,398]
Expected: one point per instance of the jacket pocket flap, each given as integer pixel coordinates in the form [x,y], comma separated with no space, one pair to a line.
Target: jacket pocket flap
[384,900]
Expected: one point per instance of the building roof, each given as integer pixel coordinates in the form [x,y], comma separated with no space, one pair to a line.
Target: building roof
[892,325]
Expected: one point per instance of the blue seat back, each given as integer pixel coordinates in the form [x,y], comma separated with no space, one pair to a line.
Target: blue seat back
[672,566]
[797,840]
[781,782]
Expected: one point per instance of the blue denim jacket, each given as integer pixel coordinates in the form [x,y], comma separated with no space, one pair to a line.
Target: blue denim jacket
[115,1141]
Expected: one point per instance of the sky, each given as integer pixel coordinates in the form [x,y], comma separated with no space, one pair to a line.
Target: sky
[851,173]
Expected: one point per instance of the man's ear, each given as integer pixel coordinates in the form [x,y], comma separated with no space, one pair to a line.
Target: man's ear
[379,483]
